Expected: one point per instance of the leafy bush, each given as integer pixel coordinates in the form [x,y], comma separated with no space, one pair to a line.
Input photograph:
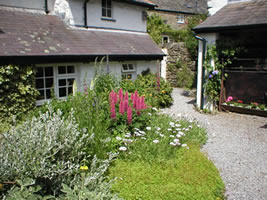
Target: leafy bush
[91,184]
[47,149]
[156,90]
[190,175]
[17,91]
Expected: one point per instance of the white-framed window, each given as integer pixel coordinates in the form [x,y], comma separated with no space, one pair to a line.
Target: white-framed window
[107,8]
[57,79]
[44,82]
[165,39]
[180,18]
[128,71]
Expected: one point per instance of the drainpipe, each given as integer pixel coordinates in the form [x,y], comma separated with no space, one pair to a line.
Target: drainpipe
[204,42]
[85,13]
[46,6]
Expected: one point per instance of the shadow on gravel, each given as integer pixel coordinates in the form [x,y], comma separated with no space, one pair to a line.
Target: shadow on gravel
[193,101]
[265,126]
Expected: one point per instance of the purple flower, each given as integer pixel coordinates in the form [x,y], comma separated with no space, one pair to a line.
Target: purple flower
[210,76]
[215,72]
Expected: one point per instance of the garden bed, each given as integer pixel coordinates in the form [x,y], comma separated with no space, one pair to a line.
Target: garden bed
[243,110]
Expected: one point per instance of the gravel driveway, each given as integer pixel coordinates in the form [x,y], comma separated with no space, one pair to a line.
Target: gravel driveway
[237,145]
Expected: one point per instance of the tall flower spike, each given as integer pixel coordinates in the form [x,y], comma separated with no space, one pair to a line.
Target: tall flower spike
[129,114]
[120,94]
[126,96]
[125,104]
[121,108]
[112,111]
[143,102]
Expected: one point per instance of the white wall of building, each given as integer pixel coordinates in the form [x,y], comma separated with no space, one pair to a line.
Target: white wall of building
[86,71]
[124,16]
[210,39]
[216,5]
[32,4]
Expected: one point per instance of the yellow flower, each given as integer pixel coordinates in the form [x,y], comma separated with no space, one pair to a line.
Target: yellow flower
[163,91]
[84,168]
[150,95]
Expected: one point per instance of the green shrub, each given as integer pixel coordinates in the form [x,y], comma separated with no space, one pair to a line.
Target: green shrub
[156,90]
[17,91]
[185,77]
[188,176]
[47,149]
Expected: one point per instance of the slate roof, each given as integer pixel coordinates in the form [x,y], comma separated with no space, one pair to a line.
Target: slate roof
[182,6]
[33,34]
[236,15]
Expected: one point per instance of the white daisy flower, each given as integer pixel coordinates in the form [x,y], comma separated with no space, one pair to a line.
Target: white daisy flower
[156,141]
[148,128]
[122,148]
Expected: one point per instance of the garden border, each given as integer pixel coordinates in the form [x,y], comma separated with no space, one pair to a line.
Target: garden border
[262,113]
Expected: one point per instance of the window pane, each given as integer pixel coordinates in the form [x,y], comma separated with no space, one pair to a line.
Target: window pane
[125,67]
[48,71]
[104,12]
[69,90]
[39,83]
[131,67]
[62,82]
[62,92]
[41,95]
[49,82]
[108,3]
[61,70]
[104,4]
[70,81]
[108,12]
[40,72]
[70,69]
[48,93]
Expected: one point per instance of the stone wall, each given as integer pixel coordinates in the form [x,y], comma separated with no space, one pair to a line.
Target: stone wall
[177,52]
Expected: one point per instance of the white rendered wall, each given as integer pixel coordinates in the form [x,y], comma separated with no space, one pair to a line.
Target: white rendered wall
[86,71]
[126,16]
[211,40]
[32,4]
[216,5]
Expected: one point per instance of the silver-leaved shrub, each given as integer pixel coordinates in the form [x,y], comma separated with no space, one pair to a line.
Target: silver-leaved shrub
[47,149]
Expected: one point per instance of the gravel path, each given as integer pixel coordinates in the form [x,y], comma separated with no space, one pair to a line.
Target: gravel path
[237,145]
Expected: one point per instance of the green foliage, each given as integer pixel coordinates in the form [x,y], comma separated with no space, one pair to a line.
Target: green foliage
[190,175]
[47,149]
[221,56]
[185,77]
[156,28]
[26,189]
[156,90]
[191,42]
[91,184]
[17,91]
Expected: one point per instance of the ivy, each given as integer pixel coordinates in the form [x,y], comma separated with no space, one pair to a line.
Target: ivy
[17,90]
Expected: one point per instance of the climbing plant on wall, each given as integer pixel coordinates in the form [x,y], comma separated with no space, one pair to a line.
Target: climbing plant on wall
[217,58]
[17,90]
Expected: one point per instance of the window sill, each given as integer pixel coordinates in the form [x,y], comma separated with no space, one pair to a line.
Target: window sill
[180,22]
[108,19]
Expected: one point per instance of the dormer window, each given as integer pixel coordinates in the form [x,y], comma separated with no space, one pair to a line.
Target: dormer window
[106,8]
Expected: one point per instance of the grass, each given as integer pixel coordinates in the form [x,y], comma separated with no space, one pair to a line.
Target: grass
[190,175]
